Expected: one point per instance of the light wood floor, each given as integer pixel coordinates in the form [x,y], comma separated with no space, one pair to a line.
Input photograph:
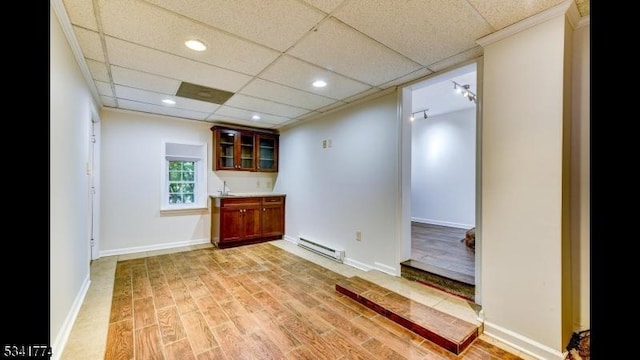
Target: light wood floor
[440,247]
[252,302]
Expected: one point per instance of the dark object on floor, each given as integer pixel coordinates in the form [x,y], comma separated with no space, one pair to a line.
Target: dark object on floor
[579,346]
[470,239]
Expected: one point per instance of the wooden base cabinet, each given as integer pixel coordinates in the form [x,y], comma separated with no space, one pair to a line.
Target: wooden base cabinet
[246,220]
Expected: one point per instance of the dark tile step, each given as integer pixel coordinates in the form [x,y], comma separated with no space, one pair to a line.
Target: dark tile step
[437,278]
[447,331]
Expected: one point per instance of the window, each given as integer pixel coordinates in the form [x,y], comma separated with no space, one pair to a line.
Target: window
[184,176]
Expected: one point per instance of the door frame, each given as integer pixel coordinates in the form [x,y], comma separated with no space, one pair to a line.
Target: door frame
[404,205]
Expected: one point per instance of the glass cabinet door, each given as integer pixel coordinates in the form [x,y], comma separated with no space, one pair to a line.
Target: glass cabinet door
[247,150]
[227,149]
[266,153]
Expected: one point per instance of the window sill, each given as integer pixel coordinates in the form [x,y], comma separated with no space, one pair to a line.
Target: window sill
[196,209]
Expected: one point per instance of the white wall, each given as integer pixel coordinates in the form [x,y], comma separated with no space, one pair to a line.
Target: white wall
[581,269]
[443,160]
[70,116]
[131,155]
[351,186]
[522,188]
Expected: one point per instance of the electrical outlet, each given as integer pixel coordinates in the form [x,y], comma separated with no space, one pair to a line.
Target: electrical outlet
[358,235]
[324,144]
[258,184]
[329,143]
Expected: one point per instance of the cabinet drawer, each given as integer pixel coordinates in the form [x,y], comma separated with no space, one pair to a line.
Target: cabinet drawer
[274,200]
[240,201]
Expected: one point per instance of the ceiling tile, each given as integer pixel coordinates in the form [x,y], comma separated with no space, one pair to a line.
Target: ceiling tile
[367,60]
[90,43]
[140,58]
[146,81]
[502,13]
[155,27]
[472,53]
[362,95]
[404,79]
[104,88]
[299,74]
[219,119]
[108,101]
[81,13]
[245,115]
[271,91]
[98,70]
[164,110]
[335,105]
[325,5]
[264,106]
[123,92]
[276,24]
[425,31]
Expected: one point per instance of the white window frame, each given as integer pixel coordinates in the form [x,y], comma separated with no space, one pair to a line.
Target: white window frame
[200,159]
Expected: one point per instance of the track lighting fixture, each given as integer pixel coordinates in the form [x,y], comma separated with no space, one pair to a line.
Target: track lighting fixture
[464,90]
[424,114]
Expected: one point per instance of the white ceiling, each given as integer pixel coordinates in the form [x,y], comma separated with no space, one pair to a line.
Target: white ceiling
[437,93]
[269,52]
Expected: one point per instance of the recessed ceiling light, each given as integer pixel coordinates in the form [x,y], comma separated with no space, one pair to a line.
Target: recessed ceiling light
[256,117]
[169,101]
[195,45]
[319,83]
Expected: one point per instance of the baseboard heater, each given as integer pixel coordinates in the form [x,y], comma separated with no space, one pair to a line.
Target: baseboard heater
[333,254]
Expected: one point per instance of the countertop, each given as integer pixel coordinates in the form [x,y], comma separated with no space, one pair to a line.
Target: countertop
[245,194]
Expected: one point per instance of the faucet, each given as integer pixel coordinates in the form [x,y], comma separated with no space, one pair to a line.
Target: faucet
[224,188]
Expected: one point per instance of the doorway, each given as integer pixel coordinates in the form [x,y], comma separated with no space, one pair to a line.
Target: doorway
[443,181]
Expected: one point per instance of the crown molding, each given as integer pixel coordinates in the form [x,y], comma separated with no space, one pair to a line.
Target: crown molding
[567,8]
[65,24]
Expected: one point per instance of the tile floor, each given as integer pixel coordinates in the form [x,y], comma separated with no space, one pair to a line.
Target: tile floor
[88,336]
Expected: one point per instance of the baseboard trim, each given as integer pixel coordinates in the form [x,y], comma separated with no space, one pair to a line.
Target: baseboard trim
[442,223]
[356,264]
[385,269]
[63,335]
[520,342]
[290,239]
[137,249]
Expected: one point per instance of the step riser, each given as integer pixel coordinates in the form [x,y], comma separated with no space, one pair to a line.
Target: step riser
[456,347]
[453,287]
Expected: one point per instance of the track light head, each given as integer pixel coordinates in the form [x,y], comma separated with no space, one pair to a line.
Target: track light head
[425,114]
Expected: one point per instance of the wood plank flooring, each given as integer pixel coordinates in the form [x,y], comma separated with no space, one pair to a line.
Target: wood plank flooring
[252,302]
[440,248]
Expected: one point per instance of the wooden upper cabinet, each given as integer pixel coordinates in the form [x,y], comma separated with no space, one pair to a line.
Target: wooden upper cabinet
[267,152]
[244,149]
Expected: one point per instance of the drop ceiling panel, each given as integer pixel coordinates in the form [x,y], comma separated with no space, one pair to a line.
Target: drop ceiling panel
[158,28]
[108,101]
[425,31]
[367,60]
[90,43]
[81,13]
[472,53]
[271,91]
[401,80]
[164,110]
[146,81]
[299,74]
[325,5]
[361,95]
[230,120]
[276,24]
[263,106]
[502,13]
[144,59]
[104,88]
[245,115]
[145,96]
[98,70]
